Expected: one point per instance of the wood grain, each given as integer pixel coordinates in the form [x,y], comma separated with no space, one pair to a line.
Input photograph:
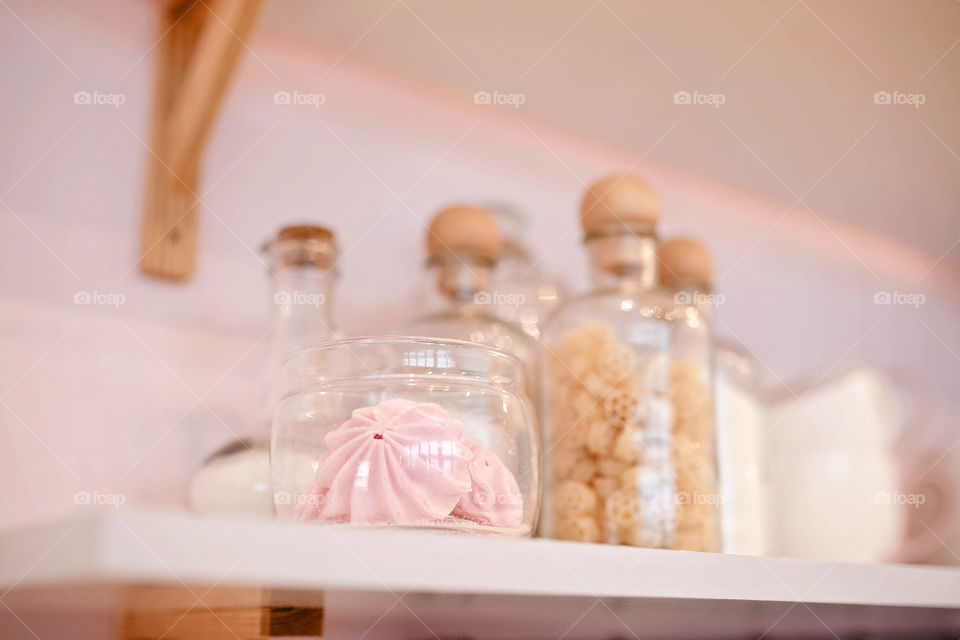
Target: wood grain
[221,612]
[204,84]
[197,51]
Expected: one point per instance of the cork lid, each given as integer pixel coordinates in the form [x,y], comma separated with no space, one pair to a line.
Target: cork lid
[302,245]
[618,203]
[305,232]
[684,263]
[463,229]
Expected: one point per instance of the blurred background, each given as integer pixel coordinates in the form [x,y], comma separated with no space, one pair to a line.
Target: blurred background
[813,146]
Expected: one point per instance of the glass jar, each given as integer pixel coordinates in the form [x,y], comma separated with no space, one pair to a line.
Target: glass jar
[407,432]
[522,293]
[236,478]
[627,408]
[464,245]
[685,268]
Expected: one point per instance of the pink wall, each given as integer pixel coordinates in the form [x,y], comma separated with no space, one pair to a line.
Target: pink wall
[130,399]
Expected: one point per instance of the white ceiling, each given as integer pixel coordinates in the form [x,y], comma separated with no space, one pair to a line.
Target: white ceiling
[799,124]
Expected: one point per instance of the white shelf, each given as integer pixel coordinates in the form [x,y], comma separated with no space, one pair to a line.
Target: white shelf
[473,586]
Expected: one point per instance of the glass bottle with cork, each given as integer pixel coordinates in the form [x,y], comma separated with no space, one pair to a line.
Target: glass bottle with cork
[464,245]
[301,259]
[626,392]
[686,269]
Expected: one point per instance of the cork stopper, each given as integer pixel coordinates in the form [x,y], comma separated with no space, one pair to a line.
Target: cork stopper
[303,245]
[619,203]
[684,263]
[464,230]
[305,232]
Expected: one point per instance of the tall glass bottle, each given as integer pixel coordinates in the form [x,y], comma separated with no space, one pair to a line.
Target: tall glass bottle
[464,245]
[627,401]
[236,479]
[523,293]
[685,269]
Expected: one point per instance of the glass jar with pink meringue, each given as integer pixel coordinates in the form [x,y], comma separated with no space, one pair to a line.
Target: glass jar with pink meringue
[407,432]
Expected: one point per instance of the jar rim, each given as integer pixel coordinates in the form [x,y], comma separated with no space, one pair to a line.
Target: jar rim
[491,363]
[400,338]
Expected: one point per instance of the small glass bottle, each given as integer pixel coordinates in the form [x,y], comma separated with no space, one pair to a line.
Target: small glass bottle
[464,245]
[685,268]
[522,292]
[236,478]
[626,393]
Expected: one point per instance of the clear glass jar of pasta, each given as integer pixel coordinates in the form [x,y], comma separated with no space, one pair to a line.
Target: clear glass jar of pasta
[627,399]
[685,268]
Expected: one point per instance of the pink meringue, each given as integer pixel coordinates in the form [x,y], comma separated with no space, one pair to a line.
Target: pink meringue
[494,497]
[398,462]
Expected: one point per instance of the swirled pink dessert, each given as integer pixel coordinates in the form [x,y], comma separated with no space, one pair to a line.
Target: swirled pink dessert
[494,496]
[398,462]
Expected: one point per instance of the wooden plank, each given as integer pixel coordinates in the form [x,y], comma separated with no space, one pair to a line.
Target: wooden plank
[292,622]
[168,242]
[203,87]
[195,61]
[221,612]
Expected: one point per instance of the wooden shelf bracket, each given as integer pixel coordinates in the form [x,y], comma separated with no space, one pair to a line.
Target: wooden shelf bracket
[201,41]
